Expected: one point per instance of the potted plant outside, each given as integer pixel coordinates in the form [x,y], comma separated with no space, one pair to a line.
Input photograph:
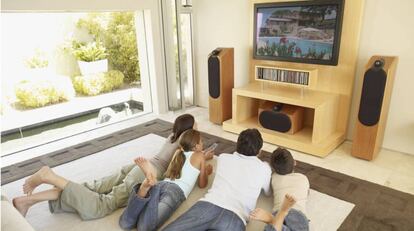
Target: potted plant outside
[92,57]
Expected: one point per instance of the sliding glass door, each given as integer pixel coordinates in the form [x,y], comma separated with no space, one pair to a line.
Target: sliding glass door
[178,46]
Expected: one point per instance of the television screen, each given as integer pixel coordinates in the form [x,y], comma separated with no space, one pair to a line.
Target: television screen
[306,31]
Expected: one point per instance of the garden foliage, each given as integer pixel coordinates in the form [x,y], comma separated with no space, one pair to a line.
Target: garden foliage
[95,84]
[40,92]
[117,32]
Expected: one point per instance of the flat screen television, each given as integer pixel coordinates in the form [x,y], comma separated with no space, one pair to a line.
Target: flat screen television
[302,31]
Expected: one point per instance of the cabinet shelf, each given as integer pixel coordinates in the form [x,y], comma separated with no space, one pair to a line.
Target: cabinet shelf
[320,134]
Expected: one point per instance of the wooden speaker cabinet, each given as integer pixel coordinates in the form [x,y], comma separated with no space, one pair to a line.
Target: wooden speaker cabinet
[373,109]
[281,117]
[220,84]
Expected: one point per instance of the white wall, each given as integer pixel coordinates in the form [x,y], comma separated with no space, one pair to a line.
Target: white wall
[387,30]
[220,23]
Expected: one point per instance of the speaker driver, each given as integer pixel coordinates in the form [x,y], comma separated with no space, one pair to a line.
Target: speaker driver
[372,94]
[276,121]
[214,76]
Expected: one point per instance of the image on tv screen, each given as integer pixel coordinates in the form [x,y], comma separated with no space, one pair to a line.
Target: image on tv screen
[303,32]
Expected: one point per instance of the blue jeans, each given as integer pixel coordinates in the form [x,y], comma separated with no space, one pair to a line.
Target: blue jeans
[151,212]
[294,221]
[207,216]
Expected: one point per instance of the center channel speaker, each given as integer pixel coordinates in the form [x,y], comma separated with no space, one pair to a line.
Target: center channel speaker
[373,108]
[281,117]
[220,84]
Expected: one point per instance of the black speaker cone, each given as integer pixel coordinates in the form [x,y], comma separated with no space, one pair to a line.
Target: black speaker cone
[372,95]
[277,121]
[214,76]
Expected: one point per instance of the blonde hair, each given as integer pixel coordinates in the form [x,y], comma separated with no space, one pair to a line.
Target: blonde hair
[187,142]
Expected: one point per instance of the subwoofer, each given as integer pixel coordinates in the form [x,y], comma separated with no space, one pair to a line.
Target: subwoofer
[280,117]
[373,108]
[220,84]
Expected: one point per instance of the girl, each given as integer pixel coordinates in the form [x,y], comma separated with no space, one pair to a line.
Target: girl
[151,203]
[101,197]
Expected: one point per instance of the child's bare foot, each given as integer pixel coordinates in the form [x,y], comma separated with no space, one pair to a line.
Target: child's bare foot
[287,203]
[209,169]
[22,204]
[279,218]
[261,215]
[35,180]
[150,176]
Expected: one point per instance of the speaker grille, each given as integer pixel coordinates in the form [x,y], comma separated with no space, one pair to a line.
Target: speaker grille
[214,76]
[371,96]
[276,121]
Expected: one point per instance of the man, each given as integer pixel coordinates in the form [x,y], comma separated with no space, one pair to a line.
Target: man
[236,187]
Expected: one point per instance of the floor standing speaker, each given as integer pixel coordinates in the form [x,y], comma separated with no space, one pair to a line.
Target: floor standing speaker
[220,84]
[373,108]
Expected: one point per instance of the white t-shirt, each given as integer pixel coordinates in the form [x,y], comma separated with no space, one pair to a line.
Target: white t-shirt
[296,184]
[238,182]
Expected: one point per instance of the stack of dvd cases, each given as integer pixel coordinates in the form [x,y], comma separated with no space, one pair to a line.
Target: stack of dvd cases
[281,75]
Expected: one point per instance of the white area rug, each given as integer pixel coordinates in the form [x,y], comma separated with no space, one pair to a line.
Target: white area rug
[325,212]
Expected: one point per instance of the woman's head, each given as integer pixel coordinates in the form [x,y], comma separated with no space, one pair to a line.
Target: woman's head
[282,161]
[190,140]
[181,124]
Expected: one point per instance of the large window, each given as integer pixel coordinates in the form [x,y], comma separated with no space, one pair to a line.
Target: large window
[66,73]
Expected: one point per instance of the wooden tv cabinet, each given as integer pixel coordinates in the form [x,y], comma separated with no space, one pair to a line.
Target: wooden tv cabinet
[319,135]
[324,91]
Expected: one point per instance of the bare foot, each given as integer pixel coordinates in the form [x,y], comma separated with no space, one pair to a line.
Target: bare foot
[287,203]
[35,180]
[150,174]
[209,169]
[261,215]
[22,204]
[279,218]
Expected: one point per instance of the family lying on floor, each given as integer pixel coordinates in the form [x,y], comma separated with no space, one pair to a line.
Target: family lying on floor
[181,163]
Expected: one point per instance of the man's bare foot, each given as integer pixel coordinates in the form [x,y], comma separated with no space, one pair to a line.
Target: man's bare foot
[35,180]
[22,204]
[150,176]
[261,215]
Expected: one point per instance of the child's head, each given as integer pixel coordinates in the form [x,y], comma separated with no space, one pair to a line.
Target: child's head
[282,161]
[249,142]
[190,140]
[181,124]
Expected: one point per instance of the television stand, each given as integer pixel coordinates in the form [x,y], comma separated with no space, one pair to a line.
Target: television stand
[319,136]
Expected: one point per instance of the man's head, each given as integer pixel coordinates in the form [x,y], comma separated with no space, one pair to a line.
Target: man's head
[249,142]
[282,161]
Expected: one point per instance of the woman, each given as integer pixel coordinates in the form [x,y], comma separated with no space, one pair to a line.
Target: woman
[101,197]
[151,203]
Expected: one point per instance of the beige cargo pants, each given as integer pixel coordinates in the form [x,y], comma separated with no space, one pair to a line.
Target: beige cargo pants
[101,197]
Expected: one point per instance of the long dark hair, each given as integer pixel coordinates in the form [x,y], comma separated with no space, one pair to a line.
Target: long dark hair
[181,124]
[187,142]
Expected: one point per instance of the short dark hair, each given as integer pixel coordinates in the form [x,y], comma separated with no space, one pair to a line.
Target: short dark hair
[282,161]
[249,142]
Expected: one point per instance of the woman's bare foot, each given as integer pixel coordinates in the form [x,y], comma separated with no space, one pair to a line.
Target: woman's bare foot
[35,180]
[150,176]
[209,169]
[22,204]
[261,215]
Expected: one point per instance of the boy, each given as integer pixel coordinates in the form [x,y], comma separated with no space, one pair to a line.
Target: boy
[290,193]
